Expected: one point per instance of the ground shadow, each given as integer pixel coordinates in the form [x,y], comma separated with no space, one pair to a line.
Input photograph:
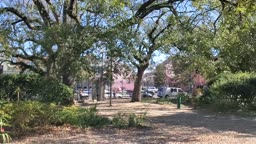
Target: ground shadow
[212,122]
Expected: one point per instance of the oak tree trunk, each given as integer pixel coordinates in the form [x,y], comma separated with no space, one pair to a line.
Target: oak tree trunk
[136,96]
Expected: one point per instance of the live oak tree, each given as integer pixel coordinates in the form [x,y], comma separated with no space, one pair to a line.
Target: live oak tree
[223,42]
[51,37]
[198,39]
[236,39]
[196,23]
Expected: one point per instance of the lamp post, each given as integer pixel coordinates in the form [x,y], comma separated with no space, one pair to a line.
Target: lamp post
[111,79]
[122,88]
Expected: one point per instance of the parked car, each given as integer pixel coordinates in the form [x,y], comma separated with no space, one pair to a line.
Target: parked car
[152,89]
[107,94]
[170,92]
[143,89]
[148,94]
[123,94]
[84,94]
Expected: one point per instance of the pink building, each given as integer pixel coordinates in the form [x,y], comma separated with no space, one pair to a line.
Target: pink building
[187,83]
[120,83]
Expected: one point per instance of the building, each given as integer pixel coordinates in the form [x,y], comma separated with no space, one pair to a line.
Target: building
[122,83]
[5,67]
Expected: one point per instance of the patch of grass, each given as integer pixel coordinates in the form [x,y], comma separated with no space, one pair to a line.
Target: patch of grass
[149,100]
[158,101]
[184,100]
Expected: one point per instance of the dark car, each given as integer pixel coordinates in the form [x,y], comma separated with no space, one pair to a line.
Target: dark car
[148,94]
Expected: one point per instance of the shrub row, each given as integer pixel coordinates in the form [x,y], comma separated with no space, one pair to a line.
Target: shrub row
[231,92]
[26,115]
[13,87]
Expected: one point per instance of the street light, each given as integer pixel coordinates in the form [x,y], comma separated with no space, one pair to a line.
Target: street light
[111,79]
[122,88]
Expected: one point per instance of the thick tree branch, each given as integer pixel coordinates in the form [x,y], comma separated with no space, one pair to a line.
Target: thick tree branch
[223,2]
[144,6]
[53,11]
[150,34]
[23,17]
[146,9]
[64,11]
[43,12]
[30,58]
[24,66]
[72,10]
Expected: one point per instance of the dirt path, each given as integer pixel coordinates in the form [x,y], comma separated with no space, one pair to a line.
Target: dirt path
[167,125]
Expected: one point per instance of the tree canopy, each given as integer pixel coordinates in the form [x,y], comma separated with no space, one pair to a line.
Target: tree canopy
[58,38]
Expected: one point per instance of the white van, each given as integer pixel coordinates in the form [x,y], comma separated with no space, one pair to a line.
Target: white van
[169,92]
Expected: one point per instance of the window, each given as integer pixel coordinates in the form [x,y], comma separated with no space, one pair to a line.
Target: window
[174,90]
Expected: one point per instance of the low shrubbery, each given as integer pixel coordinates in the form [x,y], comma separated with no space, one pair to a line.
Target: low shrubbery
[122,120]
[14,87]
[231,92]
[26,115]
[81,117]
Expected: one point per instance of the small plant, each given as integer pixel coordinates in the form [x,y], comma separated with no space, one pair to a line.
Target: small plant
[90,118]
[136,120]
[5,137]
[81,117]
[132,120]
[119,121]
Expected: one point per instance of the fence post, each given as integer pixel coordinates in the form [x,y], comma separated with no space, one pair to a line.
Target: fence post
[178,102]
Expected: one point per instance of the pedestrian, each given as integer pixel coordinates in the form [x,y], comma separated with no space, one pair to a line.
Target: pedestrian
[114,94]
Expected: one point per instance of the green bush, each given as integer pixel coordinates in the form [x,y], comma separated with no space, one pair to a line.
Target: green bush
[81,117]
[231,92]
[119,121]
[136,120]
[89,117]
[34,87]
[122,120]
[26,115]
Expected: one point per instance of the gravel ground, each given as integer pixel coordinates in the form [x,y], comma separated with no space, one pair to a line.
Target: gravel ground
[165,125]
